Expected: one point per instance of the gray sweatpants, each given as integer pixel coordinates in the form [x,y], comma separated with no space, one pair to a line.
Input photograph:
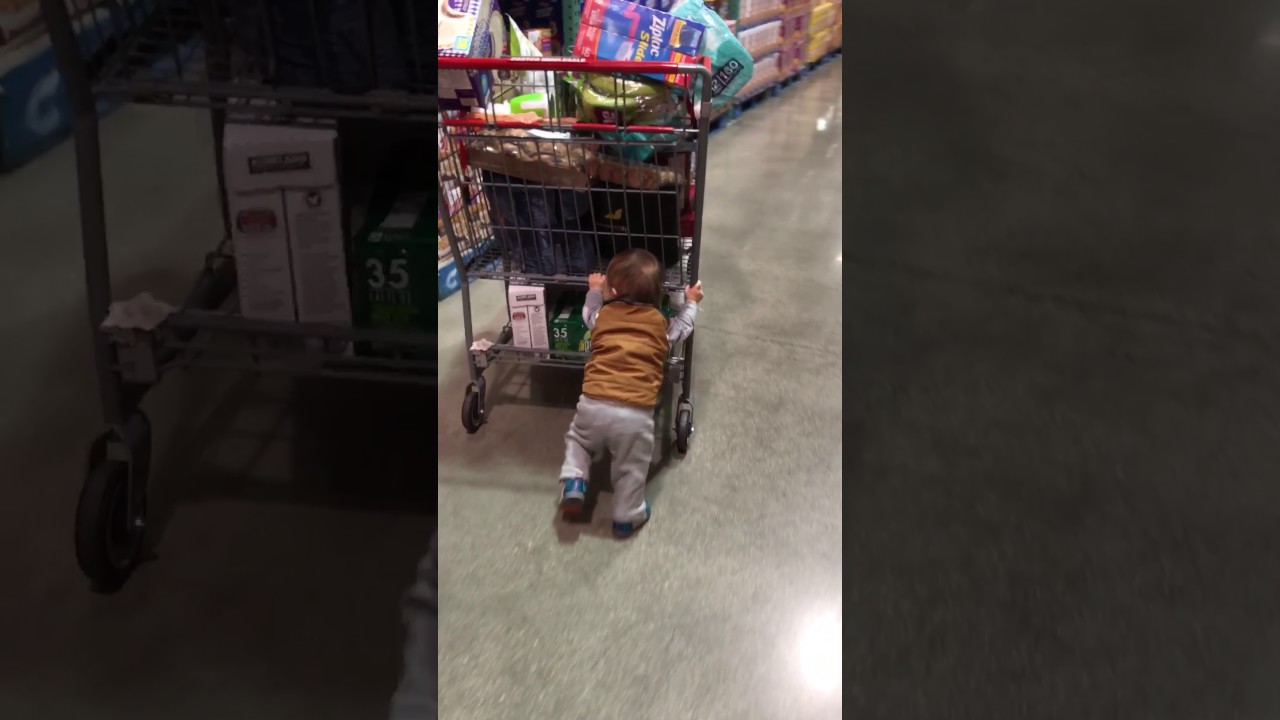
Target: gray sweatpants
[627,433]
[415,699]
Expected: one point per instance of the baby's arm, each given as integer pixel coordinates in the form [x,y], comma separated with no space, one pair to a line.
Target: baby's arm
[591,308]
[681,326]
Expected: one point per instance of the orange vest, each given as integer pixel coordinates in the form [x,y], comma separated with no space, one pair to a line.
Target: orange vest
[628,355]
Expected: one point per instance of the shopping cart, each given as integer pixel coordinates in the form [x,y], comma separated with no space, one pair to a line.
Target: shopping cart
[567,194]
[268,61]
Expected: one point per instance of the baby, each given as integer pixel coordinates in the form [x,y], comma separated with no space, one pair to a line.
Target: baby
[630,340]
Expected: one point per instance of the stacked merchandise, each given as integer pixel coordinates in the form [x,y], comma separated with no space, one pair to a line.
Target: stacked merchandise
[795,36]
[760,29]
[755,12]
[540,21]
[837,30]
[768,72]
[467,210]
[762,39]
[34,114]
[822,20]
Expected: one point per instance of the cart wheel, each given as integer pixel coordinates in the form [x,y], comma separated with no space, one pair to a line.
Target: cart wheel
[109,535]
[472,410]
[684,428]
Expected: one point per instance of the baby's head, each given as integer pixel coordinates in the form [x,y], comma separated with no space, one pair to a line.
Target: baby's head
[635,275]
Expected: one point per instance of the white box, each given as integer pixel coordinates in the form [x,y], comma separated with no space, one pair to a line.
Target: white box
[528,307]
[286,209]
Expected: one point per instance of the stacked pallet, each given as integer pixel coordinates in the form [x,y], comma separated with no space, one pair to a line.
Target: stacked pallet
[822,28]
[795,35]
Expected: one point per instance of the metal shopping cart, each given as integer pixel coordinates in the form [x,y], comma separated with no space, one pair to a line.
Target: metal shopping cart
[571,184]
[293,62]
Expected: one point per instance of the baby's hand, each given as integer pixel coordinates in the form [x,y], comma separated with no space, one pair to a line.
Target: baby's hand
[693,293]
[595,281]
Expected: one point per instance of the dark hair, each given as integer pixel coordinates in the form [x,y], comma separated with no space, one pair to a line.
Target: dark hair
[636,275]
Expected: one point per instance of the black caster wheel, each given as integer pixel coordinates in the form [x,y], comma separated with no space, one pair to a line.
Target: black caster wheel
[111,514]
[473,410]
[684,427]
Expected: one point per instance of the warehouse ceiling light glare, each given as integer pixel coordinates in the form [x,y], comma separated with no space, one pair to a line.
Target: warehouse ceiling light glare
[821,659]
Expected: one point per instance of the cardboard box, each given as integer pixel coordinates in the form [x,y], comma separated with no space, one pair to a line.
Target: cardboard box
[543,173]
[621,30]
[528,307]
[653,30]
[393,263]
[287,233]
[471,29]
[569,331]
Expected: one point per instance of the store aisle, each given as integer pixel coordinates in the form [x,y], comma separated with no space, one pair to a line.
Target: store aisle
[723,607]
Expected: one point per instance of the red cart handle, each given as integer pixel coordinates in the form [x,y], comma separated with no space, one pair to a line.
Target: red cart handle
[572,64]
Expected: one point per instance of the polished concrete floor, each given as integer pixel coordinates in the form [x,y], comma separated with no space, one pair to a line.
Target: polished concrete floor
[729,604]
[289,517]
[1062,255]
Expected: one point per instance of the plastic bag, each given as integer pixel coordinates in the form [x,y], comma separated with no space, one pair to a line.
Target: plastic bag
[731,64]
[613,100]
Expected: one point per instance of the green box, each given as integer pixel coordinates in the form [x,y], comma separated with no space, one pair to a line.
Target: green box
[394,273]
[568,331]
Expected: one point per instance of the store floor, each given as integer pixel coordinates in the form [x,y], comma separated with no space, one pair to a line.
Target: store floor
[728,605]
[1062,418]
[290,516]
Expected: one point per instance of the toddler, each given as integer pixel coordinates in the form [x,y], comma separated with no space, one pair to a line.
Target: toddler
[630,339]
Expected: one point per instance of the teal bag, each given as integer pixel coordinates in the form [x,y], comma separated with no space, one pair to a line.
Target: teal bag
[731,64]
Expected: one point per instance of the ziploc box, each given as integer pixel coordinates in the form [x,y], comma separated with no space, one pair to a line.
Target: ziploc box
[287,222]
[470,29]
[621,30]
[528,307]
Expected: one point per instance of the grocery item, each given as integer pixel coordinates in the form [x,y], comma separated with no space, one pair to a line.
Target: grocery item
[285,205]
[513,84]
[545,231]
[621,30]
[731,64]
[642,176]
[528,307]
[625,219]
[616,100]
[393,265]
[541,156]
[540,20]
[569,332]
[467,28]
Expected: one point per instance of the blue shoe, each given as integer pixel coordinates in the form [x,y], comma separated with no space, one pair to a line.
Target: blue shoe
[627,529]
[573,494]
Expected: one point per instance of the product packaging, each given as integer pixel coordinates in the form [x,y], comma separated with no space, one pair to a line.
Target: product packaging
[731,64]
[513,84]
[569,332]
[468,28]
[540,19]
[528,307]
[287,231]
[393,264]
[621,30]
